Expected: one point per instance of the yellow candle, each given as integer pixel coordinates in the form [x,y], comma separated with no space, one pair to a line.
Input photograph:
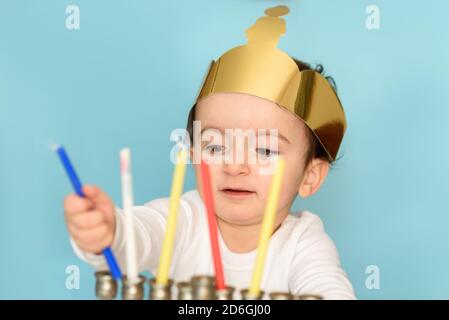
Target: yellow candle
[267,228]
[169,239]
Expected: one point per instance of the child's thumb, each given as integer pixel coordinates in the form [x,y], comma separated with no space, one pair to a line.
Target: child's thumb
[99,198]
[91,192]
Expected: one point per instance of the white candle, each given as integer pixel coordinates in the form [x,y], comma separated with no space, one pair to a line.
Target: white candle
[128,203]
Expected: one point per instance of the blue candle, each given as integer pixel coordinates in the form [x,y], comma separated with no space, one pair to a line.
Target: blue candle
[107,252]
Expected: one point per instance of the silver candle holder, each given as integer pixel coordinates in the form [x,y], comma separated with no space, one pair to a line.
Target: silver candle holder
[247,296]
[281,296]
[203,287]
[308,297]
[105,285]
[160,291]
[185,291]
[133,291]
[224,294]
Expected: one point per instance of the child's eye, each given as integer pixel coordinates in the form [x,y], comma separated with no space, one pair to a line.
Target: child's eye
[214,148]
[267,152]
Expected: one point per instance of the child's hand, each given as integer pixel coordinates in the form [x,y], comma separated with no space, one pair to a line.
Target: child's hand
[90,220]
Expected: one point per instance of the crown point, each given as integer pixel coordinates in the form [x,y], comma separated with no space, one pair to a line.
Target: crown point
[277,11]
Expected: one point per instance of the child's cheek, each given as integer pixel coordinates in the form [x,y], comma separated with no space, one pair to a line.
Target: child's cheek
[199,184]
[263,184]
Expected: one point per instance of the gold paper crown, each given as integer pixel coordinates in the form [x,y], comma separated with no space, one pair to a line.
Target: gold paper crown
[259,68]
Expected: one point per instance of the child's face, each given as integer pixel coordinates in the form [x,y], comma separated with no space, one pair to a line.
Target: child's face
[241,111]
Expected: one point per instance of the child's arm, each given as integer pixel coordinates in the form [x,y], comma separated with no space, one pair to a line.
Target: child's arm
[149,231]
[149,226]
[316,267]
[90,219]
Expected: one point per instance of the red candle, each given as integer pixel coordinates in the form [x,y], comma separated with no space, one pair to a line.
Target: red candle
[213,228]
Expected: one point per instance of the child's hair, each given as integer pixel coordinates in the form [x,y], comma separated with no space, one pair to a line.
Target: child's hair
[315,150]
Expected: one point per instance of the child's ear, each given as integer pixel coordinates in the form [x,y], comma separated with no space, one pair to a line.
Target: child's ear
[314,175]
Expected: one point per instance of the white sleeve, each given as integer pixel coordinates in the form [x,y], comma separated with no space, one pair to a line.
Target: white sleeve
[316,266]
[149,225]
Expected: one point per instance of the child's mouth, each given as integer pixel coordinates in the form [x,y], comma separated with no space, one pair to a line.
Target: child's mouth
[237,192]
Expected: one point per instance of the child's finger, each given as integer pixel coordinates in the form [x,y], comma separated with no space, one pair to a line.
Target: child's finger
[87,219]
[102,201]
[91,191]
[91,236]
[74,203]
[94,247]
[89,246]
[97,195]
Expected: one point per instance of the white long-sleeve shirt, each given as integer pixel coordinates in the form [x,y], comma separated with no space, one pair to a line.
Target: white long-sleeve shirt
[301,258]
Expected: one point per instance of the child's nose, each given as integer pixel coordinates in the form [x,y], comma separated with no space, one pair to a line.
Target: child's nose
[236,169]
[237,162]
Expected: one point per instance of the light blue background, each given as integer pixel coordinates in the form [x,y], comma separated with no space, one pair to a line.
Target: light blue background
[129,76]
